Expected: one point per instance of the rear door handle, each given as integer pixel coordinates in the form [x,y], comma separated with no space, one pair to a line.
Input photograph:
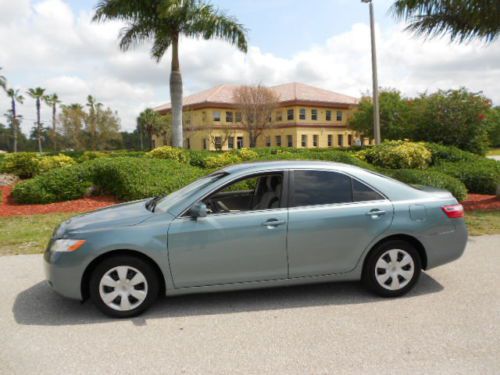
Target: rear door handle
[273,223]
[375,213]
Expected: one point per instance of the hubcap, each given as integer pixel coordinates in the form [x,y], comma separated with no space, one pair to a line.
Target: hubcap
[123,288]
[394,269]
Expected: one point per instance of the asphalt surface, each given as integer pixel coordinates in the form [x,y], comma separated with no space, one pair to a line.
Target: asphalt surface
[449,324]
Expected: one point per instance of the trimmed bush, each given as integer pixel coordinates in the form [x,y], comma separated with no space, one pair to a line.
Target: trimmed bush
[429,178]
[481,176]
[47,163]
[169,153]
[22,164]
[398,155]
[91,155]
[442,153]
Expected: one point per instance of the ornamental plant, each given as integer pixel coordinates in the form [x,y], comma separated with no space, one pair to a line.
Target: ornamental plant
[398,155]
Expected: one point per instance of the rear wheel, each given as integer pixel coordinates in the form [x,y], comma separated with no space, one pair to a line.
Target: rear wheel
[392,268]
[123,286]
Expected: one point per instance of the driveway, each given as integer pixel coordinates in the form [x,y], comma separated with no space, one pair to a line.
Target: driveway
[449,324]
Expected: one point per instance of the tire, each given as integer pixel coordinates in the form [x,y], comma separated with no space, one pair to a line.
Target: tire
[123,286]
[392,268]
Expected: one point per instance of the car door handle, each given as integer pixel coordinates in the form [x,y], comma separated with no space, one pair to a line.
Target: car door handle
[375,213]
[273,223]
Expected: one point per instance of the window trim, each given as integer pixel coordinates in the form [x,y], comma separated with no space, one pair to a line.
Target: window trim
[291,183]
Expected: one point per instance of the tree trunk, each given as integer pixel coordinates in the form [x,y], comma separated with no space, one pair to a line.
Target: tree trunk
[54,134]
[39,126]
[14,124]
[176,95]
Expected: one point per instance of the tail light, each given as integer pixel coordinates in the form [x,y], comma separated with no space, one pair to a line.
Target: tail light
[454,211]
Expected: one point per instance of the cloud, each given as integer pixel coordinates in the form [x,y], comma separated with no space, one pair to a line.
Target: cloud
[46,43]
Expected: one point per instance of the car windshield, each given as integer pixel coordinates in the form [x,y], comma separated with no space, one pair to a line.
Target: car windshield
[164,203]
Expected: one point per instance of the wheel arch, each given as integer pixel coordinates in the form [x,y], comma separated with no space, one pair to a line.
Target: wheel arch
[84,285]
[402,237]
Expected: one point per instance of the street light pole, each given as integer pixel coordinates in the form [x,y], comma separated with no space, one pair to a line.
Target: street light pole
[376,106]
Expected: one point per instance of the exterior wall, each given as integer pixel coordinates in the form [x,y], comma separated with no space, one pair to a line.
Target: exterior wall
[200,124]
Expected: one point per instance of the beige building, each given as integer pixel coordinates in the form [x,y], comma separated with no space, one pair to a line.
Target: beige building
[306,117]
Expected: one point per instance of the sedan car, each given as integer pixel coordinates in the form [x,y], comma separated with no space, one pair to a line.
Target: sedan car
[257,225]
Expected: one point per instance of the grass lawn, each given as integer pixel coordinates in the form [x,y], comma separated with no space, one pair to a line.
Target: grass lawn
[494,151]
[30,234]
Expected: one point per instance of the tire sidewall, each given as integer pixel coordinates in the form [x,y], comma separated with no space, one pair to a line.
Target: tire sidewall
[124,260]
[369,270]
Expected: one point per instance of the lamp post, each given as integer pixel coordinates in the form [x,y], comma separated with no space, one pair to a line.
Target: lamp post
[376,107]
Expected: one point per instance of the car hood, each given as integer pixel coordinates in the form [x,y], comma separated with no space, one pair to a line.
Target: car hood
[124,214]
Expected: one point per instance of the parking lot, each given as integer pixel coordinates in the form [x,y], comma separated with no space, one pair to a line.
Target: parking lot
[450,323]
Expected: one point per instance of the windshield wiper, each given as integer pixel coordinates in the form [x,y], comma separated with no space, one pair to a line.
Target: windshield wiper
[151,204]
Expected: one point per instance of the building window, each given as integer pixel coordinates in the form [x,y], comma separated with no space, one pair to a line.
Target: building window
[230,143]
[204,116]
[328,115]
[268,141]
[314,114]
[187,120]
[218,143]
[339,115]
[188,143]
[315,140]
[229,116]
[216,116]
[289,140]
[349,140]
[289,114]
[204,143]
[238,116]
[330,140]
[302,114]
[239,142]
[304,140]
[340,140]
[278,141]
[279,116]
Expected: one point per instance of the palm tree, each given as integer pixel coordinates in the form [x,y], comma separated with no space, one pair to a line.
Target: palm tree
[93,107]
[3,82]
[38,94]
[53,101]
[15,97]
[163,22]
[152,123]
[463,19]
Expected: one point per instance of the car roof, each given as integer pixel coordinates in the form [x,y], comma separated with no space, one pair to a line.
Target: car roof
[287,164]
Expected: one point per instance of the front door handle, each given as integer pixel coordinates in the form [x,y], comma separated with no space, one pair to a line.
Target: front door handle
[375,213]
[273,223]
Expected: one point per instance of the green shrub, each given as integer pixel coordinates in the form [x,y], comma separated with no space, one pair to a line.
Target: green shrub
[47,163]
[169,153]
[22,164]
[441,153]
[480,176]
[91,155]
[221,160]
[197,158]
[398,155]
[429,178]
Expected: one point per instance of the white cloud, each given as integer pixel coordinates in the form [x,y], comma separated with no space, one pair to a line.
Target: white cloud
[47,44]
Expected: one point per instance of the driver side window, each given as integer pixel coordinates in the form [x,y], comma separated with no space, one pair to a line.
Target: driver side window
[261,192]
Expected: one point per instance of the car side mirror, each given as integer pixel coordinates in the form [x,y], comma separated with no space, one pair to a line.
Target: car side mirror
[198,210]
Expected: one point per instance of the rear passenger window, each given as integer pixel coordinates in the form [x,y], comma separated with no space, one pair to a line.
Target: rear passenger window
[317,187]
[362,193]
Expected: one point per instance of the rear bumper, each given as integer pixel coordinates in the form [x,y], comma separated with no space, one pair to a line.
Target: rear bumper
[63,277]
[445,247]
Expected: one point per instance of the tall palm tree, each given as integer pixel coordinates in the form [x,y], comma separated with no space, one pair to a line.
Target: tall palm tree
[52,101]
[462,19]
[163,22]
[15,97]
[38,94]
[93,107]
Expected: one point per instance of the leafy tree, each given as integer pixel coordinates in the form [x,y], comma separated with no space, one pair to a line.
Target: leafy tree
[4,138]
[163,22]
[452,117]
[107,129]
[492,122]
[462,19]
[3,81]
[72,119]
[153,123]
[38,94]
[394,116]
[91,122]
[53,101]
[15,97]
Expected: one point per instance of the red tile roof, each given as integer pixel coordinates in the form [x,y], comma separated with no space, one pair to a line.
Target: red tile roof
[288,93]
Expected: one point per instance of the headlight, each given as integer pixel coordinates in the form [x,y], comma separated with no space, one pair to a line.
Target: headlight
[66,245]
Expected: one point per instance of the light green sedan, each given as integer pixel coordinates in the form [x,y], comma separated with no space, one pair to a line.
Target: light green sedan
[253,226]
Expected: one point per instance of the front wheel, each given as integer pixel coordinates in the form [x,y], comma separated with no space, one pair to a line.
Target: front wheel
[392,269]
[123,286]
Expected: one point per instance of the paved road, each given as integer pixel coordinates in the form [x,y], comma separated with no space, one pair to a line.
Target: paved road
[449,324]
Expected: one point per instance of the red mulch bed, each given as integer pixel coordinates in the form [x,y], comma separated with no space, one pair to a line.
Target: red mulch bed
[480,202]
[9,208]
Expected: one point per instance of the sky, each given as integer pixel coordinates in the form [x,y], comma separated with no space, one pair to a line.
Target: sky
[325,43]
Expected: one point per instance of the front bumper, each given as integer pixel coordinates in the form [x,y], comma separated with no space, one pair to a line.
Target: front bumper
[64,273]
